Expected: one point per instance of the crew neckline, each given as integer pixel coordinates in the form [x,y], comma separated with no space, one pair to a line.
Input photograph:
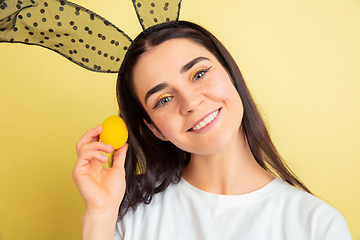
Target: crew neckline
[227,201]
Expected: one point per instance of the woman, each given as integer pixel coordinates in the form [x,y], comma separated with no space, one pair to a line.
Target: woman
[200,163]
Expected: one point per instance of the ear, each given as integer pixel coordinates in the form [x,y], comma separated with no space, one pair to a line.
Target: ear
[156,131]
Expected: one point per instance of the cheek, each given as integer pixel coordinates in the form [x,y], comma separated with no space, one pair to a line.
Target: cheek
[224,90]
[165,123]
[221,87]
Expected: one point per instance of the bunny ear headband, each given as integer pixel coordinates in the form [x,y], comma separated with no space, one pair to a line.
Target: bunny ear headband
[77,33]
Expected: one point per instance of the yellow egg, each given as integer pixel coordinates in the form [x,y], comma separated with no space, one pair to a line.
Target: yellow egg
[114,132]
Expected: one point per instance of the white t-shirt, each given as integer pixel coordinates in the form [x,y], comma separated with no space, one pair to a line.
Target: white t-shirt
[277,211]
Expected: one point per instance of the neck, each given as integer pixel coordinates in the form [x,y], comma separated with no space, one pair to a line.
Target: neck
[232,171]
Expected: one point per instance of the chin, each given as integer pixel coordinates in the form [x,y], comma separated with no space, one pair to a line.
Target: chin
[214,145]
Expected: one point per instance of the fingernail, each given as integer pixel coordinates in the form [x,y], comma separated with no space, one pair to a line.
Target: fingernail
[109,146]
[98,126]
[105,157]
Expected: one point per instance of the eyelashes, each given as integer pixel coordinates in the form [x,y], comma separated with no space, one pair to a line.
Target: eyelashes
[164,99]
[199,73]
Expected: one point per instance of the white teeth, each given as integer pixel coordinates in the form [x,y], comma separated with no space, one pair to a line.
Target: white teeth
[206,121]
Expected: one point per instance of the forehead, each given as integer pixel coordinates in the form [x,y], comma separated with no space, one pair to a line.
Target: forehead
[170,54]
[163,63]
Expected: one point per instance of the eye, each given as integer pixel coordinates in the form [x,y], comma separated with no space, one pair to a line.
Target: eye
[200,73]
[163,100]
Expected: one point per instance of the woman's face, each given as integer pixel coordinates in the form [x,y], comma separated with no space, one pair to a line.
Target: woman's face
[189,96]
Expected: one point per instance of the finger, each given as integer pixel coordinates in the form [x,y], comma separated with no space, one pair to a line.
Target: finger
[99,146]
[87,156]
[119,157]
[91,135]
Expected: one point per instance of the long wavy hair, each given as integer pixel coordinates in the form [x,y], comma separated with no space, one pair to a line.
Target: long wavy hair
[151,164]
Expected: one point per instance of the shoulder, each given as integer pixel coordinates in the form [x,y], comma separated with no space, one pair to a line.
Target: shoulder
[317,215]
[148,217]
[294,198]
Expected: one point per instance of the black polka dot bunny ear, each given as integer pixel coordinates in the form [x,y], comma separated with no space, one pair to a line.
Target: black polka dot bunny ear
[75,32]
[154,12]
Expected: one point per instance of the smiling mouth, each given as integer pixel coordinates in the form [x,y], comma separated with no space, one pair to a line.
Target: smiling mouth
[208,119]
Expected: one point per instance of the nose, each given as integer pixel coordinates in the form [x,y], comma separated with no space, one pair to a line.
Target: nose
[190,101]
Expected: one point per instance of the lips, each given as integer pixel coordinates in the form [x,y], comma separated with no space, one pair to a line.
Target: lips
[205,121]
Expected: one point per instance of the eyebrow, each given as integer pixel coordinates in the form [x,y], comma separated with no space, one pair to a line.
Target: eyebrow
[183,69]
[190,64]
[155,89]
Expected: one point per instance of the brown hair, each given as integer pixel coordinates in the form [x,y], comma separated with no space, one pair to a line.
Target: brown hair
[161,162]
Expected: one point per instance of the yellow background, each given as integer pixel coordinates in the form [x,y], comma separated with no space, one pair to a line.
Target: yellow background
[300,58]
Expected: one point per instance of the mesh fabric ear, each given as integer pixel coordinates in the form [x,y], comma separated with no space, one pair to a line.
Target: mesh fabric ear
[79,34]
[152,12]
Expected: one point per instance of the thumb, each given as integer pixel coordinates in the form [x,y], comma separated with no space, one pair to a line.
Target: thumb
[119,157]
